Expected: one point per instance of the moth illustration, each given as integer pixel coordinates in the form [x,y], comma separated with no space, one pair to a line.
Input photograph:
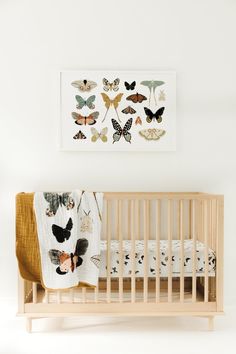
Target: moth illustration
[61,233]
[55,200]
[136,98]
[128,110]
[68,261]
[138,120]
[79,135]
[96,135]
[83,103]
[152,85]
[85,120]
[86,222]
[111,102]
[152,116]
[109,86]
[119,132]
[130,86]
[162,95]
[84,85]
[152,134]
[96,260]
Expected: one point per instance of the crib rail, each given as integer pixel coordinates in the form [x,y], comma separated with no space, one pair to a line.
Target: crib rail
[148,217]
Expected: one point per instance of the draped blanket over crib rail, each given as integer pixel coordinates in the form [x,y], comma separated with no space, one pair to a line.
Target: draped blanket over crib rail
[61,250]
[68,228]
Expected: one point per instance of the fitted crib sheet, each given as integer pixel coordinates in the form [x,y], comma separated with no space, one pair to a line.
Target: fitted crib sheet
[163,268]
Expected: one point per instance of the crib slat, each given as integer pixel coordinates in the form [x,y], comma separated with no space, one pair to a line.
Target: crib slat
[58,296]
[215,218]
[169,218]
[46,296]
[158,233]
[190,235]
[71,295]
[193,233]
[96,289]
[178,219]
[202,221]
[214,226]
[219,252]
[108,235]
[205,223]
[210,236]
[132,251]
[210,245]
[137,223]
[120,236]
[145,261]
[181,251]
[83,294]
[34,293]
[128,219]
[116,226]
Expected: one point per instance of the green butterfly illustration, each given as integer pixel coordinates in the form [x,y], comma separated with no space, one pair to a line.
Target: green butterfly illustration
[55,200]
[88,102]
[152,85]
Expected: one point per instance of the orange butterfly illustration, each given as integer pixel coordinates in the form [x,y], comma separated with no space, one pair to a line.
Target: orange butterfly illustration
[138,120]
[111,102]
[136,98]
[83,120]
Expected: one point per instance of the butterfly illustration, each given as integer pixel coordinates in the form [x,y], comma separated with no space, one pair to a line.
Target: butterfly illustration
[130,86]
[79,135]
[82,102]
[84,85]
[138,120]
[152,85]
[61,233]
[111,102]
[83,120]
[152,116]
[122,132]
[96,135]
[96,260]
[136,98]
[55,200]
[86,222]
[128,110]
[162,95]
[68,261]
[152,134]
[109,86]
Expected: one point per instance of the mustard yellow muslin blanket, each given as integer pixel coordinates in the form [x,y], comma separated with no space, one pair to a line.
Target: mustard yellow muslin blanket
[27,248]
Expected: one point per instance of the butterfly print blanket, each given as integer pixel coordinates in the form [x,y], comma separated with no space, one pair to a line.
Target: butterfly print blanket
[68,228]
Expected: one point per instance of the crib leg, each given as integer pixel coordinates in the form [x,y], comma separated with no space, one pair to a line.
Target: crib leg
[28,324]
[211,323]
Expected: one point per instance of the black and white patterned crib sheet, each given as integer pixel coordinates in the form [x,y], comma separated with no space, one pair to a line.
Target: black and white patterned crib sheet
[163,269]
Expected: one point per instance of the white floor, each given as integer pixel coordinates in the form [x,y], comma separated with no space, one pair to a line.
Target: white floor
[116,335]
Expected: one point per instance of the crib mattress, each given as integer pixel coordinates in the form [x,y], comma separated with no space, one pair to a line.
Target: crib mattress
[163,268]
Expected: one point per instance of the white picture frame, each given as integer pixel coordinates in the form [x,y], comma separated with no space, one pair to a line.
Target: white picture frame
[159,90]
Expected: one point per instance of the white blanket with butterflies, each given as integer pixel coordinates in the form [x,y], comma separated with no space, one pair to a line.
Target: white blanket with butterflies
[69,226]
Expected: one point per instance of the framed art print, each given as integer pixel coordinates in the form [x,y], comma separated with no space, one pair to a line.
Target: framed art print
[118,111]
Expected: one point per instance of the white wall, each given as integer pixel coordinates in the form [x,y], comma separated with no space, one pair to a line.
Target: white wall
[40,38]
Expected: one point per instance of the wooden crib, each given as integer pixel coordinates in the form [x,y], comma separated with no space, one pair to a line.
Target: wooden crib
[184,228]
